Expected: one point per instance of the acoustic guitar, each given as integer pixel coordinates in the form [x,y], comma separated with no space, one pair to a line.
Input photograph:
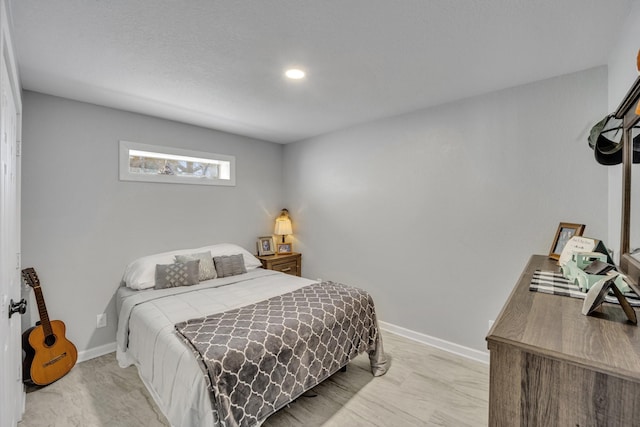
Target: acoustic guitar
[49,354]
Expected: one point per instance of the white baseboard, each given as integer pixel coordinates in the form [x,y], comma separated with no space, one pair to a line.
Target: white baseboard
[460,350]
[94,352]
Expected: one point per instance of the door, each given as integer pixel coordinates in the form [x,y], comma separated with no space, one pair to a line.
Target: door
[11,388]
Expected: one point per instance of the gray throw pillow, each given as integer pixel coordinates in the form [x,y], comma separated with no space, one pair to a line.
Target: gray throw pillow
[229,265]
[178,274]
[207,269]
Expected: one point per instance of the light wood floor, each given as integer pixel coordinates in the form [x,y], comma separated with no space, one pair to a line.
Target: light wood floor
[424,387]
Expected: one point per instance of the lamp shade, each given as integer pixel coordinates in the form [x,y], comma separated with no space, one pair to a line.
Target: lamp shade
[283,224]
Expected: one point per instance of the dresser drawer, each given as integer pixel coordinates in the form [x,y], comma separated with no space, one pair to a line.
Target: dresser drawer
[285,263]
[289,267]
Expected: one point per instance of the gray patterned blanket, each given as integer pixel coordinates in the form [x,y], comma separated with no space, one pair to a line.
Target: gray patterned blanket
[258,358]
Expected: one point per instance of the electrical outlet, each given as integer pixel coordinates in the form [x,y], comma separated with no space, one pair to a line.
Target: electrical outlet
[101,320]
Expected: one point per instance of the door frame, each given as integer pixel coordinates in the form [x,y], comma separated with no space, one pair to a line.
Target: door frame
[14,384]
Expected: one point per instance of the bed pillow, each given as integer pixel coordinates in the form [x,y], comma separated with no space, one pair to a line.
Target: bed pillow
[141,273]
[177,274]
[221,249]
[229,265]
[207,269]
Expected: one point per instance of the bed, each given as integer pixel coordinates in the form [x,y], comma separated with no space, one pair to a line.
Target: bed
[154,328]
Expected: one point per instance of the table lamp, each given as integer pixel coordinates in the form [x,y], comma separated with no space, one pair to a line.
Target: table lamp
[283,225]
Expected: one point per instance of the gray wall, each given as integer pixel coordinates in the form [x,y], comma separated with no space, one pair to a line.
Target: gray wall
[436,212]
[81,226]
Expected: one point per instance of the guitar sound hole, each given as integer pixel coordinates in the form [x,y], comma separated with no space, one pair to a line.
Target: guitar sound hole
[50,340]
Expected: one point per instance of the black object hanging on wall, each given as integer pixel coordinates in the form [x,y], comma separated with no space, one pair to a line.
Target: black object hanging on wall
[605,139]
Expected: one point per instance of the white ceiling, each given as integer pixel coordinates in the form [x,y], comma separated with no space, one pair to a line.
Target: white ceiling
[220,63]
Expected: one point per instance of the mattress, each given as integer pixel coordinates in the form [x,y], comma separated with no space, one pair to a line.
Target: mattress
[146,337]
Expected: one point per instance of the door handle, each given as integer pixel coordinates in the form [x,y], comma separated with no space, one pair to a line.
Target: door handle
[17,307]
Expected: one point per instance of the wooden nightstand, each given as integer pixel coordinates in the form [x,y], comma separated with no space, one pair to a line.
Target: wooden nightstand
[287,263]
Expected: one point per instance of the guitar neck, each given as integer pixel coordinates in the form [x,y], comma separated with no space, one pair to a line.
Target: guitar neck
[42,309]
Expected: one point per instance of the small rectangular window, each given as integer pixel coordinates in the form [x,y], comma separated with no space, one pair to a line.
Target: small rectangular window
[152,163]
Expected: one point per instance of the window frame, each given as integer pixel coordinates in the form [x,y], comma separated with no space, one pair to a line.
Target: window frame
[126,175]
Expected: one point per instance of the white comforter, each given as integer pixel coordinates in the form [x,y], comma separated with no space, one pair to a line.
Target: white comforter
[146,337]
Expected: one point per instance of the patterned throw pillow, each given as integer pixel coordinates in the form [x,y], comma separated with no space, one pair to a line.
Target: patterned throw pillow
[178,274]
[207,269]
[229,265]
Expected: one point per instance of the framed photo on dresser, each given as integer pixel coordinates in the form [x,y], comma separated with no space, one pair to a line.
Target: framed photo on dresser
[566,230]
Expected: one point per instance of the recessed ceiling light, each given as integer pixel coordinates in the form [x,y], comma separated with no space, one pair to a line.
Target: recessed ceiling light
[294,73]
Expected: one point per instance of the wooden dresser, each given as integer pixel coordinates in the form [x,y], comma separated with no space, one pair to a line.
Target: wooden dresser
[552,366]
[287,263]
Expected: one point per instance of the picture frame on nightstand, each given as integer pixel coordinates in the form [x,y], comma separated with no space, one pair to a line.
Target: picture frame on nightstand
[284,248]
[266,246]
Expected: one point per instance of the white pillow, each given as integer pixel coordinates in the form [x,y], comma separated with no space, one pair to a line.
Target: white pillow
[141,273]
[221,249]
